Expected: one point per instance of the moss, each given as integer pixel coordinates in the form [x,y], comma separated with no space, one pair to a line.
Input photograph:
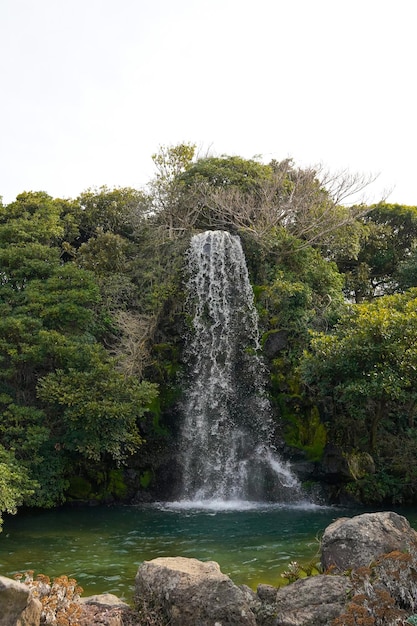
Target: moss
[145,478]
[307,432]
[79,488]
[116,484]
[360,464]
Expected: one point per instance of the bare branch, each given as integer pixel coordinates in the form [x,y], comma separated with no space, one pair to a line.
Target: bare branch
[132,350]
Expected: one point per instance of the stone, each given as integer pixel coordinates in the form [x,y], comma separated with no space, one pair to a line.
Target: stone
[360,464]
[311,601]
[16,605]
[349,543]
[105,609]
[31,616]
[105,600]
[275,342]
[334,467]
[188,592]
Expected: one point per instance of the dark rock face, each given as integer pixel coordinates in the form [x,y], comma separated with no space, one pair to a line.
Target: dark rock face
[353,542]
[187,592]
[275,342]
[334,467]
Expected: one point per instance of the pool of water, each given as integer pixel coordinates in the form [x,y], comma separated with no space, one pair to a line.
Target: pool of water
[102,547]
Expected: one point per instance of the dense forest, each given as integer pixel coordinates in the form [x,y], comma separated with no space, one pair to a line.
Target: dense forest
[92,325]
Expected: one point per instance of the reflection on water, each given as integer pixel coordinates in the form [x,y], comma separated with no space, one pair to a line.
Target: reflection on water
[102,547]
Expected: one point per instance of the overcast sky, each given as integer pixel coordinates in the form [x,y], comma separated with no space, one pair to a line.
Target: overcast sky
[91,88]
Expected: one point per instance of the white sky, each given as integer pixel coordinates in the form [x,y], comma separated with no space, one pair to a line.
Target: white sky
[91,88]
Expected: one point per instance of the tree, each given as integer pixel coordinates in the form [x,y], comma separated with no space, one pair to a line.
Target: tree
[15,486]
[52,321]
[302,290]
[33,217]
[245,195]
[364,374]
[99,408]
[166,188]
[383,263]
[119,211]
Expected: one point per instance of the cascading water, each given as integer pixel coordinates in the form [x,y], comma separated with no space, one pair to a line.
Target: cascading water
[227,447]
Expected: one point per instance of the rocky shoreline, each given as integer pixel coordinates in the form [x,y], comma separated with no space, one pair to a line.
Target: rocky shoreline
[369,574]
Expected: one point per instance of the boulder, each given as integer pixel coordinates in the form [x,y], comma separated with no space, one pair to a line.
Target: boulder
[108,600]
[32,614]
[354,542]
[188,592]
[312,601]
[105,609]
[17,608]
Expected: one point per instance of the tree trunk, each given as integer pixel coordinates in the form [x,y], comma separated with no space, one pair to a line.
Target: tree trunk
[375,421]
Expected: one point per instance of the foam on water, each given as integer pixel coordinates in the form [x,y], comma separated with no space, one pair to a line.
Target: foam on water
[216,505]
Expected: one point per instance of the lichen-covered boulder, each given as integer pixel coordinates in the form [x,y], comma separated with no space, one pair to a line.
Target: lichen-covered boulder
[188,592]
[349,543]
[17,607]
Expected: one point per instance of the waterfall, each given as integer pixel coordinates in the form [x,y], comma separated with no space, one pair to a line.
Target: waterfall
[227,450]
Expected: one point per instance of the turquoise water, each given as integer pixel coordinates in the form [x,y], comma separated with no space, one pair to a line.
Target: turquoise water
[102,547]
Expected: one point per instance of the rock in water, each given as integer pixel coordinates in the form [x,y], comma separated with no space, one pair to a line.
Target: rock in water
[188,592]
[353,542]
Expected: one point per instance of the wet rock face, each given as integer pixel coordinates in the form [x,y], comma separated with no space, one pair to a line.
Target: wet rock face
[353,542]
[188,592]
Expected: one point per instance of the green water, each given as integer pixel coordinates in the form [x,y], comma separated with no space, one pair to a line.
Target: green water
[102,547]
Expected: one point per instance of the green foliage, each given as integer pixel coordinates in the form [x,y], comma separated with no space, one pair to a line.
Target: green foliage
[296,571]
[228,171]
[307,433]
[116,484]
[99,408]
[363,376]
[104,254]
[301,290]
[63,402]
[79,488]
[367,364]
[15,486]
[119,211]
[384,261]
[33,217]
[172,161]
[146,478]
[65,300]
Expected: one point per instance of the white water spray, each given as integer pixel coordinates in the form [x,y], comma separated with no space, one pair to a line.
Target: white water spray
[227,447]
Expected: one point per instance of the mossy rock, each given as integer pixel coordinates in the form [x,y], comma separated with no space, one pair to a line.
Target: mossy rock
[360,465]
[146,478]
[116,484]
